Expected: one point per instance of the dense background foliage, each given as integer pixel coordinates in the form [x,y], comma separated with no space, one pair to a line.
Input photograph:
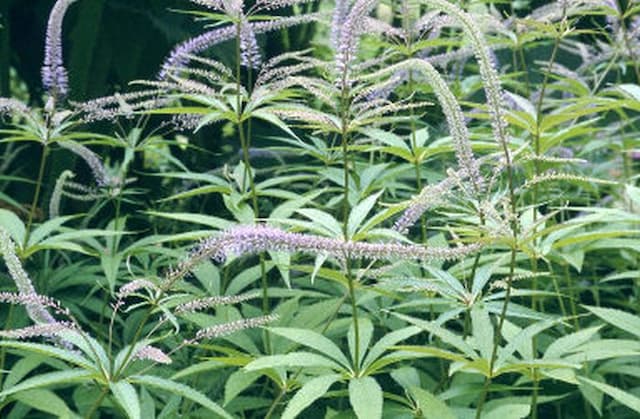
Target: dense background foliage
[332,209]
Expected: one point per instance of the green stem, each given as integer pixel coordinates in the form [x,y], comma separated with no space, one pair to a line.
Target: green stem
[135,339]
[248,175]
[36,195]
[344,102]
[534,396]
[498,335]
[350,279]
[537,147]
[97,403]
[3,351]
[273,406]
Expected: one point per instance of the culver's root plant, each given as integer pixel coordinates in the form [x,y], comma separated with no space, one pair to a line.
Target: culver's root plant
[326,209]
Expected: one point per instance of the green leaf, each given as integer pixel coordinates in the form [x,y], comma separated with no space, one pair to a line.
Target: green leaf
[603,349]
[322,222]
[482,330]
[127,398]
[365,396]
[444,334]
[47,228]
[21,368]
[207,220]
[282,260]
[365,333]
[627,399]
[430,406]
[71,357]
[311,391]
[524,337]
[508,411]
[89,346]
[237,382]
[387,341]
[274,120]
[360,212]
[621,319]
[293,359]
[182,390]
[566,343]
[14,226]
[66,377]
[199,368]
[45,401]
[312,340]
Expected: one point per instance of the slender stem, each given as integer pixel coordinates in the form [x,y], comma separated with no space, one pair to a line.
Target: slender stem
[514,245]
[498,335]
[534,396]
[537,149]
[350,279]
[135,339]
[416,163]
[3,351]
[512,265]
[344,103]
[274,405]
[248,176]
[97,403]
[36,195]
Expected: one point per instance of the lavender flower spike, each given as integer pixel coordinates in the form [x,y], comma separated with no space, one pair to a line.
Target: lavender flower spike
[249,51]
[42,329]
[243,240]
[179,56]
[349,35]
[224,329]
[92,159]
[9,106]
[152,353]
[37,312]
[54,75]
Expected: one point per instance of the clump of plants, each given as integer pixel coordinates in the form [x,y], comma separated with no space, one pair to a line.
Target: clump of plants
[423,208]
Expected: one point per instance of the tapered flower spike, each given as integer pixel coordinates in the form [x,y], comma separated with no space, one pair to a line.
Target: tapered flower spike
[340,12]
[452,111]
[152,353]
[217,5]
[11,106]
[243,240]
[111,107]
[224,329]
[37,312]
[34,300]
[37,330]
[208,302]
[92,159]
[488,73]
[180,55]
[430,196]
[352,27]
[56,196]
[249,51]
[278,4]
[54,75]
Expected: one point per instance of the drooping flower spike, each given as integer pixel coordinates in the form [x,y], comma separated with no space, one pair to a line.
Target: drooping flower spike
[181,55]
[251,239]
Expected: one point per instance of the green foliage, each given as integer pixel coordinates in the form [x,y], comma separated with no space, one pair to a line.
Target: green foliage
[346,209]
